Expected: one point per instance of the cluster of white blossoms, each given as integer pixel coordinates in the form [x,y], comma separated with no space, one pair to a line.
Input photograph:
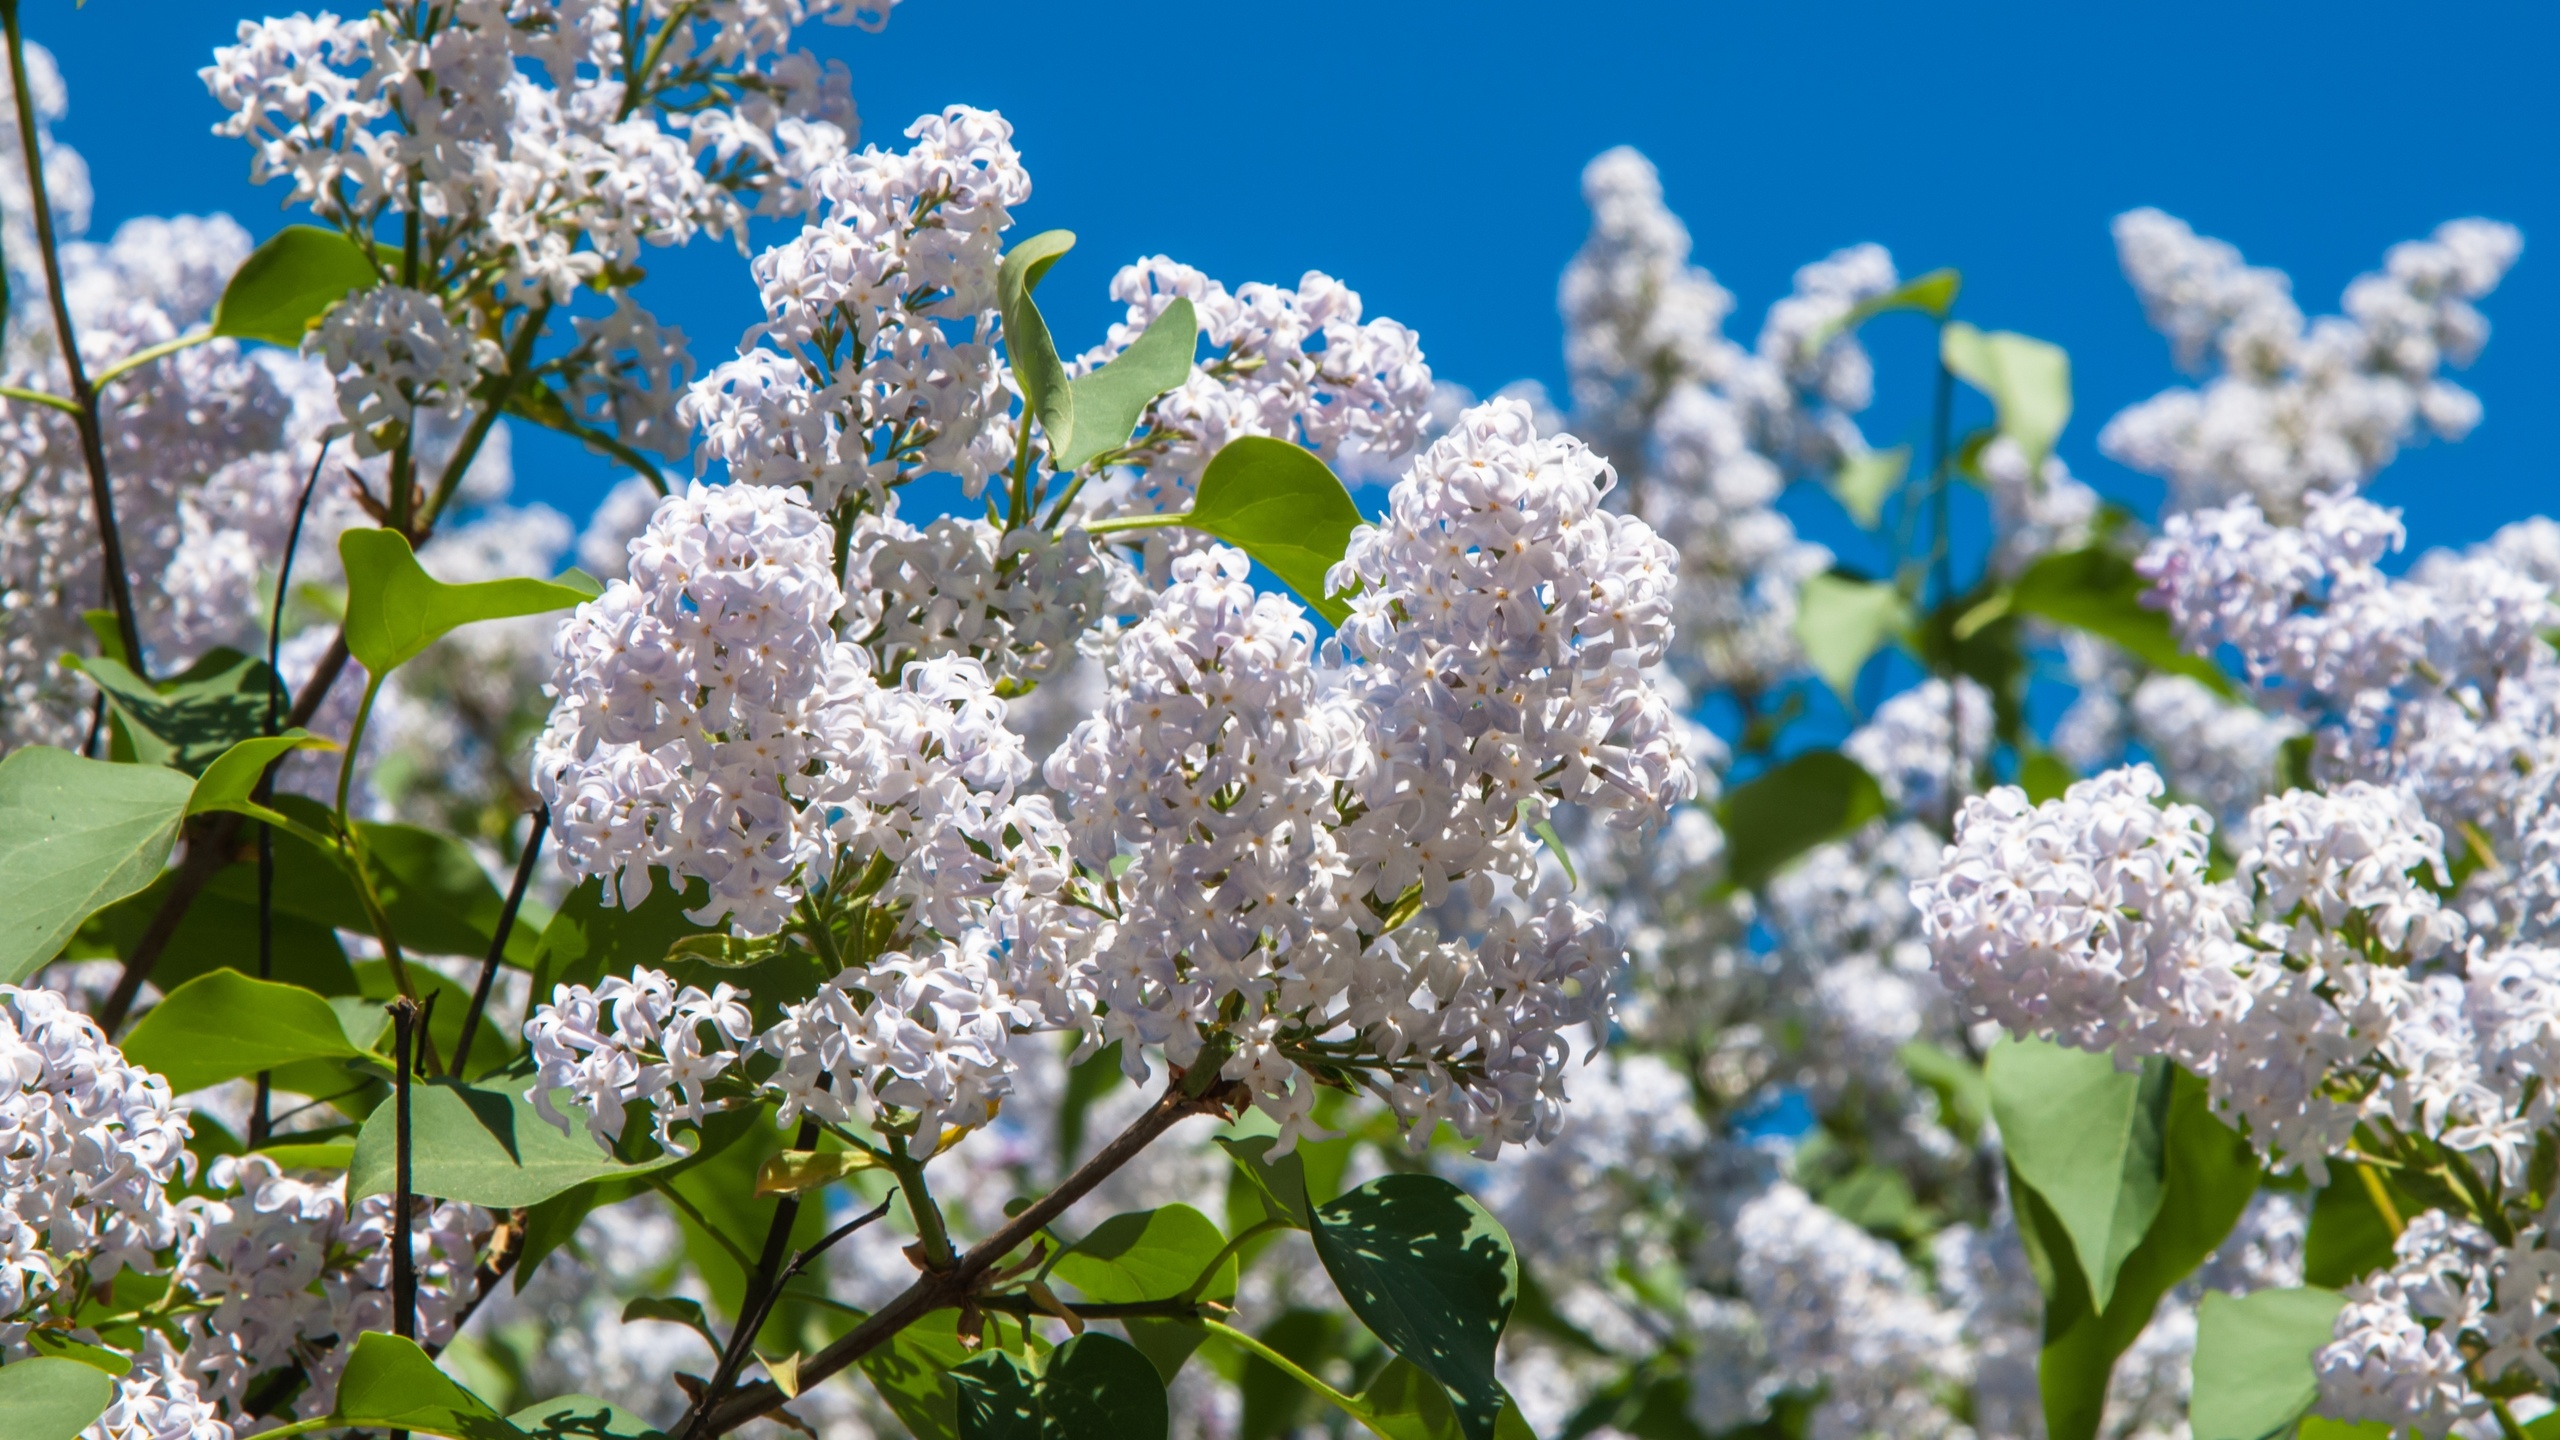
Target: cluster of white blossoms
[874,362]
[288,1274]
[1925,744]
[1299,365]
[2295,408]
[2454,1304]
[88,1146]
[2218,754]
[631,1041]
[395,351]
[1706,433]
[1020,600]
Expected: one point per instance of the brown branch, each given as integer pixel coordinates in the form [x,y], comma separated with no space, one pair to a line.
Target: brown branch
[212,842]
[942,1289]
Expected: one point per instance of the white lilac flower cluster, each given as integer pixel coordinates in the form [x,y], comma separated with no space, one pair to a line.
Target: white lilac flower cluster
[2454,1304]
[2221,755]
[289,1273]
[634,1041]
[395,351]
[2293,408]
[1020,600]
[1298,364]
[1926,744]
[88,1146]
[207,449]
[1707,433]
[874,361]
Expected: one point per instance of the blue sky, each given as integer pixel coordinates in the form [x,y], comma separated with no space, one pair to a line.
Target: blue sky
[1428,154]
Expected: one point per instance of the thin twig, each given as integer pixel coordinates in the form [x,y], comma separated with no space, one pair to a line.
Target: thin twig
[941,1289]
[260,1126]
[498,941]
[758,1301]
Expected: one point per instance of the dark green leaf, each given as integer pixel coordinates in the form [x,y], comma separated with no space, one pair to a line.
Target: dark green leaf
[1863,482]
[2097,590]
[2211,1173]
[485,1144]
[1282,1183]
[220,932]
[1781,813]
[1108,402]
[2028,380]
[76,835]
[588,940]
[1842,620]
[47,1398]
[1275,1404]
[191,717]
[2349,1238]
[1432,1274]
[675,1310]
[288,283]
[1094,1387]
[1151,1255]
[1046,391]
[2089,1138]
[390,1384]
[223,1025]
[2253,1372]
[582,1417]
[395,609]
[2314,1427]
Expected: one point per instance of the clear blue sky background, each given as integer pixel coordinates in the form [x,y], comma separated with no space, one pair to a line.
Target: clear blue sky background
[1429,155]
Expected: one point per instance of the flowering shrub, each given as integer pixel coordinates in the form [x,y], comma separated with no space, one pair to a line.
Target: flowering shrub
[1190,945]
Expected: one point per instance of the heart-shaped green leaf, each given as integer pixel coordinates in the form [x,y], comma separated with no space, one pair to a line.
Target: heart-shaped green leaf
[1432,1274]
[1841,620]
[1277,503]
[76,835]
[288,283]
[1094,1387]
[485,1144]
[1109,401]
[2089,1138]
[2253,1372]
[223,1025]
[1152,1255]
[1782,812]
[395,609]
[390,1384]
[2028,380]
[48,1398]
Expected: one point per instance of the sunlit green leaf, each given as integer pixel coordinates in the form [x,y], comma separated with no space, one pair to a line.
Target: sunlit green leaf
[232,778]
[76,835]
[390,1384]
[49,1398]
[2253,1372]
[395,609]
[1151,1255]
[1108,402]
[2028,380]
[582,1417]
[1046,391]
[485,1144]
[2089,1138]
[223,1025]
[1863,483]
[1277,503]
[288,283]
[2098,590]
[1842,620]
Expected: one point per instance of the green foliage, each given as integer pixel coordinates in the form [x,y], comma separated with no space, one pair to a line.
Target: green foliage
[2209,1173]
[1964,1095]
[1933,294]
[1046,391]
[2098,590]
[2089,1138]
[675,1310]
[913,1374]
[1280,1183]
[1432,1274]
[2253,1372]
[390,1384]
[588,939]
[1277,503]
[44,1397]
[223,1025]
[76,835]
[229,782]
[2044,776]
[1274,1403]
[2349,1237]
[1094,1387]
[1107,403]
[2028,380]
[581,1417]
[281,292]
[1842,620]
[1152,1255]
[191,717]
[1782,812]
[485,1144]
[1863,483]
[438,899]
[395,609]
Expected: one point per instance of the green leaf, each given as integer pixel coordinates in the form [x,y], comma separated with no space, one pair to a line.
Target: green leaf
[1964,1097]
[1108,402]
[582,1417]
[2089,1138]
[1094,1387]
[1046,391]
[439,899]
[76,835]
[288,283]
[229,781]
[2028,380]
[2098,590]
[2314,1427]
[1432,1274]
[1279,504]
[1782,812]
[2253,1372]
[2210,1175]
[223,1025]
[45,1397]
[395,609]
[96,1357]
[2044,776]
[2349,1238]
[390,1384]
[1863,482]
[1842,620]
[191,717]
[220,932]
[1281,1183]
[1151,1255]
[588,939]
[1275,1404]
[675,1310]
[913,1373]
[487,1145]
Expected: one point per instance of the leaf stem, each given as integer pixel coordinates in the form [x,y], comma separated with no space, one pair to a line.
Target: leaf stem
[1289,1367]
[144,356]
[20,392]
[1136,522]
